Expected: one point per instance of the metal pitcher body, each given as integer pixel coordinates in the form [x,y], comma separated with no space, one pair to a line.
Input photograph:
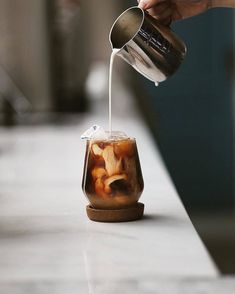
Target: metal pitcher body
[151,48]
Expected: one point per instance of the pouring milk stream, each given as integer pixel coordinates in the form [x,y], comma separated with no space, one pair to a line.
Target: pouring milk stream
[149,47]
[112,57]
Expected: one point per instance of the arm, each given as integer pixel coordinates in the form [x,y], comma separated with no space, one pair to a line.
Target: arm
[223,3]
[167,11]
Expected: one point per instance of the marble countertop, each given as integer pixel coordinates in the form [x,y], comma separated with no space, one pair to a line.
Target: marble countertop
[47,243]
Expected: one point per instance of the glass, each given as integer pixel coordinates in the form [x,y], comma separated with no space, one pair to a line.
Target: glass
[112,177]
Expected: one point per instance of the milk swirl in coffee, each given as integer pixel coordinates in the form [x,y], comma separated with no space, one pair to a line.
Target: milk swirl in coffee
[112,176]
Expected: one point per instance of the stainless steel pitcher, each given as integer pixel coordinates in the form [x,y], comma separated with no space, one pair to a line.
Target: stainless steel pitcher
[151,48]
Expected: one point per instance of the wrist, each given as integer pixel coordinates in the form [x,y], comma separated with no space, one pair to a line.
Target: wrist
[221,3]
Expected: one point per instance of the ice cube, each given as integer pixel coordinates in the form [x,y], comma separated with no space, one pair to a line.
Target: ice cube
[100,134]
[95,132]
[118,135]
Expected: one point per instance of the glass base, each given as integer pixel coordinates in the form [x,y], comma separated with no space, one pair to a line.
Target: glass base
[131,213]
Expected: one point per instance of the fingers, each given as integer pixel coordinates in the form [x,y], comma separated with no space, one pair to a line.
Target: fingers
[159,8]
[147,4]
[165,18]
[162,12]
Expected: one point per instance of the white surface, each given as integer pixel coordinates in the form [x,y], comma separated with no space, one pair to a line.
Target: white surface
[46,241]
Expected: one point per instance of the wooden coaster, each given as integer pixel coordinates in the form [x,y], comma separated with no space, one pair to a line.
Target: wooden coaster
[116,215]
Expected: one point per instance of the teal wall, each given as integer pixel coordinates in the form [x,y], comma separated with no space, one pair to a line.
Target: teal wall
[191,113]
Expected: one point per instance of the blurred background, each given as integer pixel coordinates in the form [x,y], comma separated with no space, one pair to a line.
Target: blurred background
[54,58]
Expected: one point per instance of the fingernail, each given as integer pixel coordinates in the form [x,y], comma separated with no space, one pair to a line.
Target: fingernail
[142,4]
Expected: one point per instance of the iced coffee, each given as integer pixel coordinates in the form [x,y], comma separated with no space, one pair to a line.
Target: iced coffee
[112,177]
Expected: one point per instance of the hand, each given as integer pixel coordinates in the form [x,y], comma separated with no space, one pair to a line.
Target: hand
[167,11]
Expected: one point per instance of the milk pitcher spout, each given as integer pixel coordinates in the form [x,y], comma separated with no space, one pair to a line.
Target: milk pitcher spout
[151,48]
